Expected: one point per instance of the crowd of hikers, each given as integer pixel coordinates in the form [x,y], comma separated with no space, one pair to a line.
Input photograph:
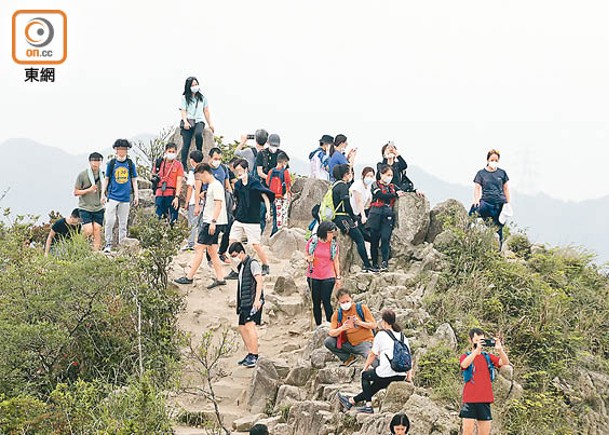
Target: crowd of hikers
[228,206]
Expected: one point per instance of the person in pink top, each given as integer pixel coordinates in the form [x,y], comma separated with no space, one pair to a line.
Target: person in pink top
[323,272]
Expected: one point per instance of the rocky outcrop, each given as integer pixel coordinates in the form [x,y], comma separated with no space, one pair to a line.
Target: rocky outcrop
[264,385]
[286,241]
[208,140]
[450,211]
[311,417]
[412,220]
[306,192]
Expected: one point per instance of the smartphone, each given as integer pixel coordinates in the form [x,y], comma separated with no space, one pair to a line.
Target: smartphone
[250,137]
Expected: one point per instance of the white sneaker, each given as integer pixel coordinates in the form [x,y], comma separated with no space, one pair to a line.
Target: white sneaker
[107,249]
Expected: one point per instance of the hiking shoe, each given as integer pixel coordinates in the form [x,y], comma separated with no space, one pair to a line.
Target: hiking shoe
[242,362]
[215,283]
[384,266]
[107,249]
[224,259]
[349,361]
[183,280]
[365,409]
[187,248]
[250,361]
[232,275]
[370,269]
[344,401]
[266,270]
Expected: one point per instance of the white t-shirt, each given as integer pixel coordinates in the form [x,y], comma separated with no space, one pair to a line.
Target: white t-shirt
[383,345]
[215,192]
[190,181]
[365,193]
[317,168]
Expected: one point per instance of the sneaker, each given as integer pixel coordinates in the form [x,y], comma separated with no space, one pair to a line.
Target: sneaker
[266,270]
[365,409]
[242,362]
[215,283]
[370,269]
[224,259]
[183,280]
[344,401]
[232,275]
[107,249]
[384,266]
[187,248]
[349,361]
[250,361]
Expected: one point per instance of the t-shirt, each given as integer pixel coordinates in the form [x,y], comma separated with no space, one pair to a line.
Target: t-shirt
[248,199]
[382,347]
[365,194]
[169,172]
[91,201]
[194,110]
[190,181]
[63,230]
[267,160]
[119,182]
[323,265]
[215,192]
[337,158]
[357,334]
[317,160]
[492,185]
[249,155]
[479,389]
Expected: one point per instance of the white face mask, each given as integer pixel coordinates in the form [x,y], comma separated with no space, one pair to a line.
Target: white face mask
[272,149]
[346,306]
[194,89]
[215,163]
[236,261]
[121,159]
[387,179]
[493,165]
[170,156]
[368,181]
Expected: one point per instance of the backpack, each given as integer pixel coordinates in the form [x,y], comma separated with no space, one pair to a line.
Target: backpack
[327,210]
[111,165]
[358,309]
[277,182]
[333,250]
[468,373]
[402,360]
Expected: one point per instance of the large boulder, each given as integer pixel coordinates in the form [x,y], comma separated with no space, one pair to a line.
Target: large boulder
[412,221]
[264,385]
[310,417]
[208,141]
[444,335]
[306,192]
[430,418]
[396,396]
[347,253]
[449,211]
[286,241]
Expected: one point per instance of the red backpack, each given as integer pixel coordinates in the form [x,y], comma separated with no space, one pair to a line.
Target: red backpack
[277,182]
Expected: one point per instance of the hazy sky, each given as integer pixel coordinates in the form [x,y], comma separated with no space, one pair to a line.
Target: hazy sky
[445,80]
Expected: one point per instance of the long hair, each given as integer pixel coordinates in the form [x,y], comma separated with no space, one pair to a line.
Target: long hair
[188,93]
[389,317]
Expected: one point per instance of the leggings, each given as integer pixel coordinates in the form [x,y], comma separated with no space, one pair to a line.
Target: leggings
[321,292]
[346,226]
[373,383]
[381,228]
[197,130]
[490,211]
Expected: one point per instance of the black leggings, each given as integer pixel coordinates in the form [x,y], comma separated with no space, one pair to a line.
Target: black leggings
[346,226]
[373,383]
[381,228]
[197,130]
[321,292]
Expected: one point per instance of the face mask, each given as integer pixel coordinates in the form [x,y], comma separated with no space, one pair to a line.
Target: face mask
[492,165]
[368,181]
[242,176]
[387,180]
[236,261]
[194,89]
[170,156]
[346,306]
[215,163]
[272,149]
[121,159]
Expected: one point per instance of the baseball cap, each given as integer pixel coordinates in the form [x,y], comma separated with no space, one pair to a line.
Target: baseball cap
[274,140]
[327,139]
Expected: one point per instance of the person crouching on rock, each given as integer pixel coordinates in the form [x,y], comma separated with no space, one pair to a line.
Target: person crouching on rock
[392,367]
[350,331]
[381,217]
[250,299]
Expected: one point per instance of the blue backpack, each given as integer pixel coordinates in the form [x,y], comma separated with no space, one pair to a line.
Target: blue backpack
[402,361]
[468,373]
[358,309]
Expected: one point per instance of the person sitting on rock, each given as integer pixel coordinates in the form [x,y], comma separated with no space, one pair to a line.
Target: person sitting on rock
[259,429]
[344,217]
[400,424]
[491,191]
[323,272]
[193,107]
[350,331]
[63,229]
[376,379]
[250,299]
[381,217]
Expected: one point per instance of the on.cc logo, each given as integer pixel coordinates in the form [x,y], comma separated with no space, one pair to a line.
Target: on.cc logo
[39,32]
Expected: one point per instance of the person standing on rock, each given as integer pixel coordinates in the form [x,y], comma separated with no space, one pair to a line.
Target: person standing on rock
[392,158]
[379,378]
[323,272]
[350,331]
[170,173]
[381,218]
[479,369]
[345,218]
[121,181]
[250,299]
[491,191]
[193,108]
[192,198]
[319,159]
[88,188]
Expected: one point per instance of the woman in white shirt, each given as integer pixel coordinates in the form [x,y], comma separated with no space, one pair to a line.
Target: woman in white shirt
[361,194]
[376,379]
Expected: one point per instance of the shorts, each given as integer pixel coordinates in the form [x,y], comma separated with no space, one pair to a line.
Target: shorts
[251,232]
[207,239]
[476,411]
[92,216]
[245,317]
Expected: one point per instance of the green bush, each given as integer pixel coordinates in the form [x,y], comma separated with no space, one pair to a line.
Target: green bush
[438,369]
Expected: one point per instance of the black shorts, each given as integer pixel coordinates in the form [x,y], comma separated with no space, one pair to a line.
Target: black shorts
[244,316]
[205,238]
[88,217]
[476,411]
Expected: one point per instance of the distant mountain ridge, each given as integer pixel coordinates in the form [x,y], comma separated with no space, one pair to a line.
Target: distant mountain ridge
[44,181]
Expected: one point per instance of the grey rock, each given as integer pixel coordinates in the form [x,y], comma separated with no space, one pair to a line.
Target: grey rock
[285,285]
[208,140]
[444,335]
[396,396]
[317,339]
[288,395]
[335,375]
[244,424]
[142,183]
[263,387]
[430,418]
[450,210]
[306,192]
[299,376]
[319,358]
[129,247]
[412,221]
[146,197]
[287,241]
[310,417]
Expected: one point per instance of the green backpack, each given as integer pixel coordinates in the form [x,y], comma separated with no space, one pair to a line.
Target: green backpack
[327,210]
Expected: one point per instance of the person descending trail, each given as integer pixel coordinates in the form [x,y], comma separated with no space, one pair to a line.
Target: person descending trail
[193,108]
